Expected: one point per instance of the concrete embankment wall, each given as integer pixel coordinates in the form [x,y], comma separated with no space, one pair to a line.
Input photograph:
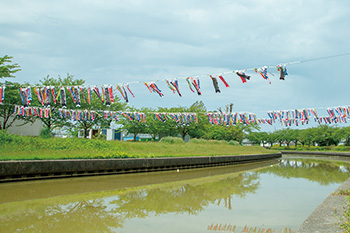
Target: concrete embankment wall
[344,154]
[39,169]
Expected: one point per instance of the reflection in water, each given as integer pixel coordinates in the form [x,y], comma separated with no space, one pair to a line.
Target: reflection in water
[186,200]
[320,171]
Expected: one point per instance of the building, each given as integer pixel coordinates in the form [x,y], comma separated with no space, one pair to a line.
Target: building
[20,127]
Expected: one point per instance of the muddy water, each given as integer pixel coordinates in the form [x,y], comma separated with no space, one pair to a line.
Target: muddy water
[273,194]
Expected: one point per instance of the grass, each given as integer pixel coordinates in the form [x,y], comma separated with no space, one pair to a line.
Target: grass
[14,147]
[345,226]
[340,148]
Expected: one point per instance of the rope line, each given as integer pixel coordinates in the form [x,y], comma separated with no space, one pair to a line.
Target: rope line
[206,75]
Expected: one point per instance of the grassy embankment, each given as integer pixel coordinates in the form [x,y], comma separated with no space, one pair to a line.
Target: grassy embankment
[13,147]
[345,224]
[341,148]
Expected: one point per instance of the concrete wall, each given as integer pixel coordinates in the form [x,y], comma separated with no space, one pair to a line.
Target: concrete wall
[346,154]
[30,129]
[19,170]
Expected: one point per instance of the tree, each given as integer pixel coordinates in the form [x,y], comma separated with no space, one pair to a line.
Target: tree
[7,70]
[134,127]
[344,133]
[100,120]
[195,130]
[257,138]
[55,120]
[12,98]
[326,135]
[295,136]
[287,135]
[271,138]
[279,136]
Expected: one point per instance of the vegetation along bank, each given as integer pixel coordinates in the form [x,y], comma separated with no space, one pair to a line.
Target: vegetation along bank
[14,147]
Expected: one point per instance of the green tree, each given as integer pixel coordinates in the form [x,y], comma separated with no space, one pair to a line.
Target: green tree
[279,136]
[100,120]
[257,137]
[295,136]
[12,98]
[271,138]
[326,135]
[195,130]
[133,127]
[287,136]
[306,137]
[8,70]
[55,120]
[84,124]
[344,133]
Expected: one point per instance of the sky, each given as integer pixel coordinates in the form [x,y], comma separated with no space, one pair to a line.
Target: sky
[135,41]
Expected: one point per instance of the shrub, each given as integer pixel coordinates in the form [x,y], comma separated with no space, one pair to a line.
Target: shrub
[233,143]
[172,140]
[5,137]
[45,133]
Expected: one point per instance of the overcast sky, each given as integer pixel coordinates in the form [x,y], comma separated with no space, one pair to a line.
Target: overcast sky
[110,42]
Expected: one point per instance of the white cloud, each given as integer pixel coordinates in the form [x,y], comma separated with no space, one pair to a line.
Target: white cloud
[113,41]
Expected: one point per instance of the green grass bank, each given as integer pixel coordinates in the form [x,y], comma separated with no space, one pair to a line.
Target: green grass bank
[340,148]
[14,147]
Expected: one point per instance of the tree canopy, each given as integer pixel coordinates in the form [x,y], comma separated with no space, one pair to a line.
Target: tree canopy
[7,68]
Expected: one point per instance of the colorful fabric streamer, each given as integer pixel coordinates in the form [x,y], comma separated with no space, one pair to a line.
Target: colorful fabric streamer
[181,118]
[82,94]
[47,96]
[26,96]
[148,87]
[2,94]
[195,84]
[285,117]
[106,96]
[172,88]
[88,98]
[53,94]
[126,95]
[76,95]
[263,72]
[215,84]
[127,87]
[63,97]
[110,91]
[224,81]
[123,93]
[155,89]
[243,76]
[283,71]
[97,92]
[175,84]
[232,119]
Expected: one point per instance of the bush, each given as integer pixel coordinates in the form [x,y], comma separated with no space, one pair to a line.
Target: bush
[234,143]
[172,140]
[45,133]
[5,137]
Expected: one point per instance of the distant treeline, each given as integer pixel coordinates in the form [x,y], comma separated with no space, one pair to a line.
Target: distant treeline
[321,136]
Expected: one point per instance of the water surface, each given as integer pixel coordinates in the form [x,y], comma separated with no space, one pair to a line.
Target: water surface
[272,194]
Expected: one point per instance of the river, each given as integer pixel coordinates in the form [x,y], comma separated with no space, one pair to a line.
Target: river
[273,194]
